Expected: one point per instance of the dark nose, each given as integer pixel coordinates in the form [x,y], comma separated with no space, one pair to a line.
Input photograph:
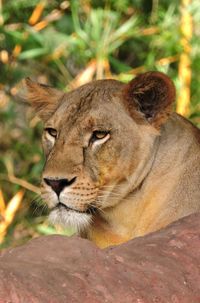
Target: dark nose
[59,184]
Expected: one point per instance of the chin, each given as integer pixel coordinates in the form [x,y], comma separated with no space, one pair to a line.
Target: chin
[70,218]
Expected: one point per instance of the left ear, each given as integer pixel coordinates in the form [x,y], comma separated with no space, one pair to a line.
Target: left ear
[152,94]
[43,98]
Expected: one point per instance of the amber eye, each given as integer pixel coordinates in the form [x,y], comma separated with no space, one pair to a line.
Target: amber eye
[98,135]
[51,131]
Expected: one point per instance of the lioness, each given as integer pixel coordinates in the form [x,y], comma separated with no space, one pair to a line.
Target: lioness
[119,163]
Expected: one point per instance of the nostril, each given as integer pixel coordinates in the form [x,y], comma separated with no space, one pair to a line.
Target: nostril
[59,184]
[55,185]
[67,182]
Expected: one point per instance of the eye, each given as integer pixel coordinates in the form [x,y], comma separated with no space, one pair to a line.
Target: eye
[99,135]
[51,131]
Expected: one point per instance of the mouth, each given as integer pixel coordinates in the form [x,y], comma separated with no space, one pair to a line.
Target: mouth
[91,210]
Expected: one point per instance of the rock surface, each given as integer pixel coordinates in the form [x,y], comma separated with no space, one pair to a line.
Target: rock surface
[160,267]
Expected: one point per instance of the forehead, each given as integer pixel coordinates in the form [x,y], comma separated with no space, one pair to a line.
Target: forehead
[89,105]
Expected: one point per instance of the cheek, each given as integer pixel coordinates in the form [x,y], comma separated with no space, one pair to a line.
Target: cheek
[110,160]
[49,197]
[109,153]
[118,160]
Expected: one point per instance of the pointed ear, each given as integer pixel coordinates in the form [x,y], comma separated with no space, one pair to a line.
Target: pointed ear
[44,99]
[152,94]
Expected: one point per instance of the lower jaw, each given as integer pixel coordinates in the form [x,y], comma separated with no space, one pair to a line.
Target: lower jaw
[70,218]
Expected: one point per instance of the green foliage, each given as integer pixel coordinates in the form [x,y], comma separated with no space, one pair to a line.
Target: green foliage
[127,34]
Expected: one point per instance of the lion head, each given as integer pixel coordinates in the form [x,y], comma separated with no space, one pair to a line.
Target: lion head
[99,141]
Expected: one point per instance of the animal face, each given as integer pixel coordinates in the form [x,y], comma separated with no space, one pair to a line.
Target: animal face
[98,141]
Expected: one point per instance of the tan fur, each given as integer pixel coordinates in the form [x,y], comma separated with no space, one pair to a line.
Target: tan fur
[144,176]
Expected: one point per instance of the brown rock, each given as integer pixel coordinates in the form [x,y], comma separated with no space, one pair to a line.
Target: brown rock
[161,267]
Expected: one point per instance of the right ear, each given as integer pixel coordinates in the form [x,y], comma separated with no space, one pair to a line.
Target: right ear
[44,99]
[152,95]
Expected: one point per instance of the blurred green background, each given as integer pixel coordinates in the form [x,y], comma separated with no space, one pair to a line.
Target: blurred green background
[66,44]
